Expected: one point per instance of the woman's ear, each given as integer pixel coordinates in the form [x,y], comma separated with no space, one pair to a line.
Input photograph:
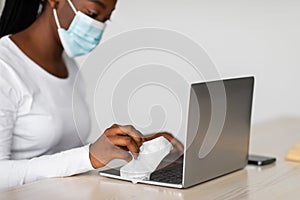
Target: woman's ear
[53,3]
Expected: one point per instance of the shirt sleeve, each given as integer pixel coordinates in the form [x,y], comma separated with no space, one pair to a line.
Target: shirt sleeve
[66,163]
[18,172]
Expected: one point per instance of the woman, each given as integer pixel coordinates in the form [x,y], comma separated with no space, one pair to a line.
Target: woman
[38,137]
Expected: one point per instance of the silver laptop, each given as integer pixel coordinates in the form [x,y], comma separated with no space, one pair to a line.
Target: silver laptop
[216,139]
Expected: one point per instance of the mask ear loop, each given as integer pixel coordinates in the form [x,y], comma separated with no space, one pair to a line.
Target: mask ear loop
[55,13]
[72,6]
[56,19]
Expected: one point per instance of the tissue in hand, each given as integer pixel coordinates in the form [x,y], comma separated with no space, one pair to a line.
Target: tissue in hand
[151,154]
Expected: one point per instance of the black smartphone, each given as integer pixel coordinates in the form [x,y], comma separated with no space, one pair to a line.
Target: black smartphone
[260,160]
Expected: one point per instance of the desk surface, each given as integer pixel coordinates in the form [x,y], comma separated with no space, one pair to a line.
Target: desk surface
[277,181]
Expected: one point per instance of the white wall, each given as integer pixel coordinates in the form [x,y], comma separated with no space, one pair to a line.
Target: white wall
[1,5]
[242,37]
[259,37]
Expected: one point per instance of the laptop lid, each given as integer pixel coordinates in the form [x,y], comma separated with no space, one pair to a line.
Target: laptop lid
[218,130]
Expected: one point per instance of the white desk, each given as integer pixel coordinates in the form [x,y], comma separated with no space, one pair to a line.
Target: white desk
[277,181]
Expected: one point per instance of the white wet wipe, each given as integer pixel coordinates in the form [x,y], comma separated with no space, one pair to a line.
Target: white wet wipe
[151,154]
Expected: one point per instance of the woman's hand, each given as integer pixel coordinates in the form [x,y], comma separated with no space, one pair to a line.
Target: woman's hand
[115,142]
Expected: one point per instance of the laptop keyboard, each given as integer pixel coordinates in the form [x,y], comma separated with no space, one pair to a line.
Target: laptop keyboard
[168,175]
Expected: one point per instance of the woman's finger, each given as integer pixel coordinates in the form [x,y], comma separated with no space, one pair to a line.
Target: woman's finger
[127,142]
[126,130]
[135,134]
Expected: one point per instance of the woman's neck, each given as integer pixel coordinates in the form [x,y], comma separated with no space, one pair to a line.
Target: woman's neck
[40,42]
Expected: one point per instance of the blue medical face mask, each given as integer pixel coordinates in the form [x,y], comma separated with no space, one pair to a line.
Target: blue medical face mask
[83,34]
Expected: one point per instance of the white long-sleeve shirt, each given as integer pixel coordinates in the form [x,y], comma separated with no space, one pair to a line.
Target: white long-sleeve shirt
[39,135]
